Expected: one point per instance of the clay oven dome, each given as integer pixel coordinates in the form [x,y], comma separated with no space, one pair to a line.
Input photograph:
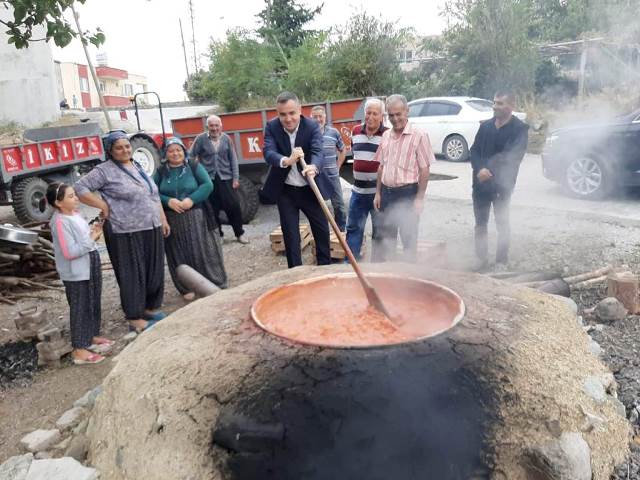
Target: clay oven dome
[207,394]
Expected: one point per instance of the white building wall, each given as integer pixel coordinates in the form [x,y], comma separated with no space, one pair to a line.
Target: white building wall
[28,89]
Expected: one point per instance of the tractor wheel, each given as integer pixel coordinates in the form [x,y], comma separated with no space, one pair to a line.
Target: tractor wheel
[249,201]
[146,154]
[29,200]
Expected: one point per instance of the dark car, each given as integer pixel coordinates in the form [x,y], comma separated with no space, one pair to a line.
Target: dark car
[592,161]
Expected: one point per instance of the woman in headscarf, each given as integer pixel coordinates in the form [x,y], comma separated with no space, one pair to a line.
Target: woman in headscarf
[184,188]
[134,228]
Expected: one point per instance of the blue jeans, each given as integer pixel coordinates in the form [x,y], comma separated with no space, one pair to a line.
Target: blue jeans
[360,206]
[337,202]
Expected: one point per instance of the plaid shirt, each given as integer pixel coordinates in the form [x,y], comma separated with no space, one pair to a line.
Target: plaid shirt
[403,156]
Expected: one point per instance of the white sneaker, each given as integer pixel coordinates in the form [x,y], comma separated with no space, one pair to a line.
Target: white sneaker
[243,239]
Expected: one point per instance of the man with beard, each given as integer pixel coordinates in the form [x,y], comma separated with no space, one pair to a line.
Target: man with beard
[496,154]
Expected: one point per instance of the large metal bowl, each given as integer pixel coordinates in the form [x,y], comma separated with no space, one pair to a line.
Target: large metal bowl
[22,236]
[332,311]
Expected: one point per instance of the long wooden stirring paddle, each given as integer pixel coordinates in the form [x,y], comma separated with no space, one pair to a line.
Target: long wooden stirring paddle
[370,292]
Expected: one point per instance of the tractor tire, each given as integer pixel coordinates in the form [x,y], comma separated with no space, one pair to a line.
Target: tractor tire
[28,200]
[249,201]
[146,154]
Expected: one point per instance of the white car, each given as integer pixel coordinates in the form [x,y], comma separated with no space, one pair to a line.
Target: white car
[452,122]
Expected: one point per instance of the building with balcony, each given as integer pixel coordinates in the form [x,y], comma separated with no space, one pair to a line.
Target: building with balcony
[117,85]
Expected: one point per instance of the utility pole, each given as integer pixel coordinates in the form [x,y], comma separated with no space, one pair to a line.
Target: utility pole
[184,50]
[193,37]
[91,69]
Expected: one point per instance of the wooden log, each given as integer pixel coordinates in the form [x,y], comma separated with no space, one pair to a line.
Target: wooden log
[590,282]
[624,287]
[10,281]
[29,283]
[588,275]
[9,257]
[31,225]
[45,243]
[529,277]
[16,295]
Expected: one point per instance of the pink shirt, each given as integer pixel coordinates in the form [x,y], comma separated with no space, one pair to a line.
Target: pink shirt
[403,156]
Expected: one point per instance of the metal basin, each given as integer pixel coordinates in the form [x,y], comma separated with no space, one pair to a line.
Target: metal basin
[332,311]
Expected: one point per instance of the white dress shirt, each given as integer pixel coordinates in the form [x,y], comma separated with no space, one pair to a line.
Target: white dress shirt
[294,178]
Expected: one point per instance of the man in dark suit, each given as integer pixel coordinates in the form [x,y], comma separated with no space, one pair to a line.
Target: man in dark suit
[288,138]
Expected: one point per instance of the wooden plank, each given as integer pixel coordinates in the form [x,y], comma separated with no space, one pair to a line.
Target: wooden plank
[277,240]
[624,287]
[336,250]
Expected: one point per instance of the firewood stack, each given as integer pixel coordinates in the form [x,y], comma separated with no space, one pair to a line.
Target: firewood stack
[27,267]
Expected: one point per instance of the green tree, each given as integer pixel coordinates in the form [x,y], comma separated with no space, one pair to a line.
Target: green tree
[555,21]
[47,13]
[363,59]
[283,22]
[243,70]
[308,73]
[487,47]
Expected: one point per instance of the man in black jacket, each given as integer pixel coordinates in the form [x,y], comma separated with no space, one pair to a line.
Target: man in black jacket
[496,154]
[288,138]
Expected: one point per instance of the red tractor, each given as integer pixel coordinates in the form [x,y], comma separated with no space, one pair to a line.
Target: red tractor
[61,154]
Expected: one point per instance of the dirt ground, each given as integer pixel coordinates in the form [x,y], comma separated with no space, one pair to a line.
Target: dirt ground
[550,240]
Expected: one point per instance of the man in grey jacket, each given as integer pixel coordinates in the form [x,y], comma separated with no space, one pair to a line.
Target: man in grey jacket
[215,151]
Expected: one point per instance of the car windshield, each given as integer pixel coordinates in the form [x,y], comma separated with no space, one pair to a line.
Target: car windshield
[481,105]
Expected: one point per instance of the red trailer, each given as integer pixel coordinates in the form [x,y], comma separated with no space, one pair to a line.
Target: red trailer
[247,131]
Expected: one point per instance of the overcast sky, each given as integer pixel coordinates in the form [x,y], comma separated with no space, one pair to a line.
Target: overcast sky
[143,36]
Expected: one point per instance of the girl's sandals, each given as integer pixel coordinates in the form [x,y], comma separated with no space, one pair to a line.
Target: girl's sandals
[101,346]
[89,360]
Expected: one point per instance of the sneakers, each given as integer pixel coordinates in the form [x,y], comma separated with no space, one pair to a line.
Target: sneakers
[243,239]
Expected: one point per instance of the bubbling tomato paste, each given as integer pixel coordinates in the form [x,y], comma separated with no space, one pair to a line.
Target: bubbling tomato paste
[333,311]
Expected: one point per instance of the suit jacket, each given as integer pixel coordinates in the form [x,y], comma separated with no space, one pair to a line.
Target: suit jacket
[277,145]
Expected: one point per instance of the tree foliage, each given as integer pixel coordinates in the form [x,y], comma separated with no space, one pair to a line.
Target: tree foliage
[242,68]
[487,45]
[360,58]
[27,14]
[283,22]
[363,59]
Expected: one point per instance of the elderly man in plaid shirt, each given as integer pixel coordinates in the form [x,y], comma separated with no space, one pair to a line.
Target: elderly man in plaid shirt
[405,155]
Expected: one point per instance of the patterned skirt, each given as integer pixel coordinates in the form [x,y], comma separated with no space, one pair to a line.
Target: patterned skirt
[192,242]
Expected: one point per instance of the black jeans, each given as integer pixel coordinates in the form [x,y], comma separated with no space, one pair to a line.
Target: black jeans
[481,209]
[293,200]
[398,215]
[224,197]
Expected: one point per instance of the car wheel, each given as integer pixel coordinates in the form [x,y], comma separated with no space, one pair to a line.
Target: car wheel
[455,148]
[586,177]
